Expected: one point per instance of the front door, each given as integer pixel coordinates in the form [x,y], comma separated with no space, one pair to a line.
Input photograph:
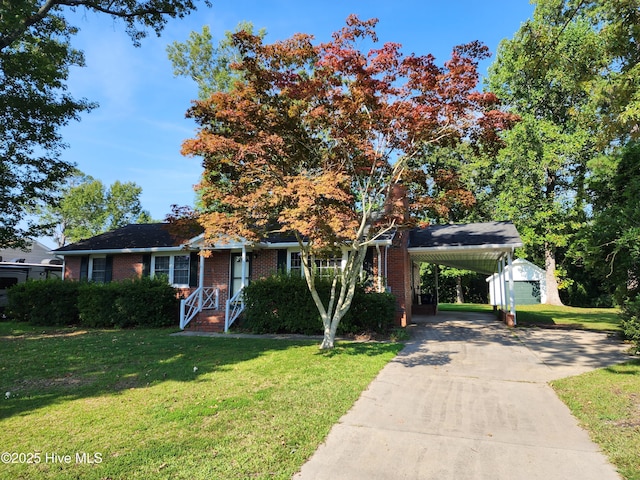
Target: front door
[237,274]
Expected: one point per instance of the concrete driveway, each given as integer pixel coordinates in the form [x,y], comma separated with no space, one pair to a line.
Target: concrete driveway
[468,398]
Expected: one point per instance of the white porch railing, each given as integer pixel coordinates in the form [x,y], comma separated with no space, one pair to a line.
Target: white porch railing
[235,306]
[200,299]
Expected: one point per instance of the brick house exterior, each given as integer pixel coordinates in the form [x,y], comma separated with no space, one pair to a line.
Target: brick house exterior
[152,249]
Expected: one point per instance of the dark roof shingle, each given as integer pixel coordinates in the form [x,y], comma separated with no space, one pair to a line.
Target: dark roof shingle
[470,234]
[148,235]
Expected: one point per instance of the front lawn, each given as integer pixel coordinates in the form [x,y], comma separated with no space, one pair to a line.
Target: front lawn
[607,404]
[145,404]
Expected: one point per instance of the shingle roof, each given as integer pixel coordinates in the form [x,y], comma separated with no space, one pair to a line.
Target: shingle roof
[134,236]
[472,246]
[470,234]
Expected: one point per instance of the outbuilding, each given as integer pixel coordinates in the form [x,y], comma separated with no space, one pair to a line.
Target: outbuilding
[530,285]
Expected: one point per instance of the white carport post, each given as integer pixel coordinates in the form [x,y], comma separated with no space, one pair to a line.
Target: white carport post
[512,292]
[501,283]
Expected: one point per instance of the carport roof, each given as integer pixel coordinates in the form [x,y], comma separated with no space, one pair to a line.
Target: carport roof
[471,246]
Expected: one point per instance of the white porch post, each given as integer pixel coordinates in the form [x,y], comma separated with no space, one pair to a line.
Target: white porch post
[201,279]
[244,266]
[512,292]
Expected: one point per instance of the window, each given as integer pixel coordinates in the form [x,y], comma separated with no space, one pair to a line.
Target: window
[174,267]
[98,271]
[181,270]
[325,267]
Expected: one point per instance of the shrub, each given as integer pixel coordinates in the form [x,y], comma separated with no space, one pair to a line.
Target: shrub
[631,322]
[142,302]
[147,302]
[283,304]
[44,302]
[96,304]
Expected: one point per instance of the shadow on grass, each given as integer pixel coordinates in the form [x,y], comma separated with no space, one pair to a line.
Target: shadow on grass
[360,349]
[39,369]
[569,317]
[628,368]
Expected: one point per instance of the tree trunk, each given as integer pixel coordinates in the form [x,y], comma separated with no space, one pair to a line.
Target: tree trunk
[553,295]
[459,292]
[341,293]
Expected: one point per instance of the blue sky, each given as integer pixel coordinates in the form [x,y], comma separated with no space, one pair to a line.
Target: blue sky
[136,132]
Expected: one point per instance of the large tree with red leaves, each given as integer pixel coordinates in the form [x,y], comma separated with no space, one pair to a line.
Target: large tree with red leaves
[315,138]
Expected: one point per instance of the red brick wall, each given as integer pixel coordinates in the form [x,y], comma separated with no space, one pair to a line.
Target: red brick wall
[216,273]
[265,264]
[72,268]
[125,266]
[399,277]
[128,265]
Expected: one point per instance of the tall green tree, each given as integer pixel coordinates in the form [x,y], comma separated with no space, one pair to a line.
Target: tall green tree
[207,64]
[86,208]
[610,246]
[615,84]
[543,75]
[36,56]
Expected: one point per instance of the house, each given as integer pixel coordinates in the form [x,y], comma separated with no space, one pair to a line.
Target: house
[36,252]
[211,276]
[530,284]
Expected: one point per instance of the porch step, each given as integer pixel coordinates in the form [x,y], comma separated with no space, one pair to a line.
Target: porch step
[207,321]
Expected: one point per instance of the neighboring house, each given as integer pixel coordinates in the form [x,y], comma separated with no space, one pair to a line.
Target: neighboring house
[17,266]
[530,284]
[36,253]
[212,276]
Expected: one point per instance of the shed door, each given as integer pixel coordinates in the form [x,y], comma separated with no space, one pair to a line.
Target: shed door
[527,292]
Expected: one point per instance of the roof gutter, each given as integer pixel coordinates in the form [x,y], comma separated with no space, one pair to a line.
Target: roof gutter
[504,247]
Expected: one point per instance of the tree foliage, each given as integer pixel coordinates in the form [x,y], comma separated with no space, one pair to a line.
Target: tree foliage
[316,139]
[86,208]
[36,56]
[207,64]
[543,75]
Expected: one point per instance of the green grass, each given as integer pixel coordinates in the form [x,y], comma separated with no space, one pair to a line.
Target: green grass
[607,404]
[606,319]
[154,405]
[588,318]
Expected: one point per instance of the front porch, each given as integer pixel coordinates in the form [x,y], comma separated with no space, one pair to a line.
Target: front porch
[209,308]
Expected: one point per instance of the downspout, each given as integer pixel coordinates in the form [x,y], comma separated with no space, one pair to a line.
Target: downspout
[386,265]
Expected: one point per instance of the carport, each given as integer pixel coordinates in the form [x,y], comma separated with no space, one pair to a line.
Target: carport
[485,248]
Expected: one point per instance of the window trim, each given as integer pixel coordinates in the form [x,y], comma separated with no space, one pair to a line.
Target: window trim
[172,256]
[293,251]
[92,258]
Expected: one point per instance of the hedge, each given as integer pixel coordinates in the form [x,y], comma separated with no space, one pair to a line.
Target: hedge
[141,302]
[283,304]
[631,322]
[44,302]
